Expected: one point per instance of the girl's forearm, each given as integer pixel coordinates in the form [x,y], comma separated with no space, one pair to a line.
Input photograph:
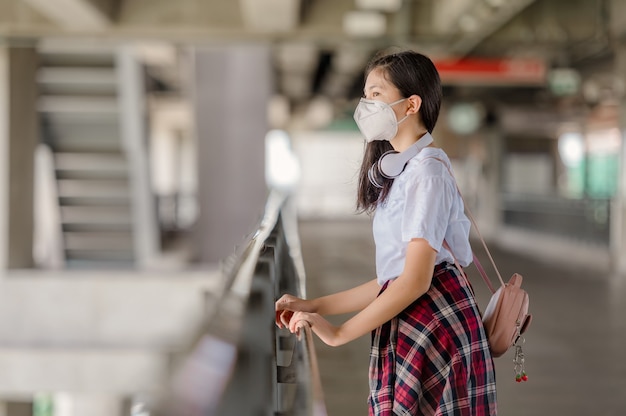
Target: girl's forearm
[347,301]
[399,295]
[411,284]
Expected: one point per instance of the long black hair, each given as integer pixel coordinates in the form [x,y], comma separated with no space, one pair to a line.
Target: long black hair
[413,74]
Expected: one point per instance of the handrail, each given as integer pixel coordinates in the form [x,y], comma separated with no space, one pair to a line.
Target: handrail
[49,246]
[317,397]
[236,364]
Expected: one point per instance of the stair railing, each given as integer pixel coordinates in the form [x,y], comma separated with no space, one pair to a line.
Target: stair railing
[48,243]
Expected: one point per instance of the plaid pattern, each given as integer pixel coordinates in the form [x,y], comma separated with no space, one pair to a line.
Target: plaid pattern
[433,358]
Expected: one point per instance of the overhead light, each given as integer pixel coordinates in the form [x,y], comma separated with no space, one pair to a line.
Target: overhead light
[320,112]
[465,118]
[468,23]
[349,59]
[278,111]
[364,24]
[495,3]
[296,56]
[388,6]
[564,81]
[270,15]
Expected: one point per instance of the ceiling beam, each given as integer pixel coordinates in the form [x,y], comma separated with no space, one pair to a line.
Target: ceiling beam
[93,15]
[487,20]
[270,15]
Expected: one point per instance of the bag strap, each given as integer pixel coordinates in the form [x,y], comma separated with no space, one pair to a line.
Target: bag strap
[479,266]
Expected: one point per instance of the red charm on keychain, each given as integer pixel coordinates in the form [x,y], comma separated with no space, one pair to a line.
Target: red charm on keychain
[518,361]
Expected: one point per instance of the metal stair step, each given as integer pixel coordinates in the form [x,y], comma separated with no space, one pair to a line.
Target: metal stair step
[69,145]
[96,215]
[89,161]
[77,75]
[92,174]
[76,52]
[77,188]
[97,258]
[91,166]
[92,201]
[77,104]
[77,81]
[97,227]
[85,127]
[113,241]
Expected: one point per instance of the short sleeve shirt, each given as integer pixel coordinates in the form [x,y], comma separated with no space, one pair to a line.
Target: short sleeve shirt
[423,202]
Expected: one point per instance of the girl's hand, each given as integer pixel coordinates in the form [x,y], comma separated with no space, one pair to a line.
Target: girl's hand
[287,305]
[327,332]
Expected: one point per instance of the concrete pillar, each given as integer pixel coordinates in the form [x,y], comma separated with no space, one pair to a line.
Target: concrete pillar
[75,404]
[618,215]
[489,216]
[19,136]
[232,88]
[133,131]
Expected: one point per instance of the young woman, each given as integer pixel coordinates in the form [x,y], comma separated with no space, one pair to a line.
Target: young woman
[429,353]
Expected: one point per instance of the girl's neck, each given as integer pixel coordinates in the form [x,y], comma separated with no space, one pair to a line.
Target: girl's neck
[403,142]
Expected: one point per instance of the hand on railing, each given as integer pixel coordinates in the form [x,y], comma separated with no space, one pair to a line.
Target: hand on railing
[287,305]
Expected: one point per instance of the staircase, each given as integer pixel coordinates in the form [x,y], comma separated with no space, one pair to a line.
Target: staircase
[80,122]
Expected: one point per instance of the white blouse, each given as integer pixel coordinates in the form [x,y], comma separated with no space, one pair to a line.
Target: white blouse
[423,203]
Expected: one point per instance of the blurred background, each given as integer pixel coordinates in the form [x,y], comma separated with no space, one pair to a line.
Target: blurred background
[140,139]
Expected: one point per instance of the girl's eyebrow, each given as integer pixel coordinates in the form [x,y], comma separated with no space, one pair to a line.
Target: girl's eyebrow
[371,87]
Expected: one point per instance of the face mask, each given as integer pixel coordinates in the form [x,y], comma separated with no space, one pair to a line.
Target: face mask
[376,119]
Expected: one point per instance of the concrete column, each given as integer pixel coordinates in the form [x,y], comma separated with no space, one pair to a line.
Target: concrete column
[618,215]
[75,404]
[489,204]
[232,88]
[19,135]
[133,130]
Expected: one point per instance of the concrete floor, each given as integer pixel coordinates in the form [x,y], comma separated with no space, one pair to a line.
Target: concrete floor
[575,348]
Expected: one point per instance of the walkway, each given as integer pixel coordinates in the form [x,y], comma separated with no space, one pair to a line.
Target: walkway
[575,348]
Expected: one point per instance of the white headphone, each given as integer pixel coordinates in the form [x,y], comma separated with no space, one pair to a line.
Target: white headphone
[392,163]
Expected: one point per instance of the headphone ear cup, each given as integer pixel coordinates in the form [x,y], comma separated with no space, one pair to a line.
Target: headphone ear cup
[387,164]
[375,176]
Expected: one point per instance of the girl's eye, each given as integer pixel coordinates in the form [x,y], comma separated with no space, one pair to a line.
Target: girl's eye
[372,95]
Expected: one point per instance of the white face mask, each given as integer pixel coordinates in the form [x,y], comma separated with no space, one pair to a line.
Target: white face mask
[376,119]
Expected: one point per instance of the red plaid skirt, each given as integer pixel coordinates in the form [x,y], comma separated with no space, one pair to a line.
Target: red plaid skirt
[433,358]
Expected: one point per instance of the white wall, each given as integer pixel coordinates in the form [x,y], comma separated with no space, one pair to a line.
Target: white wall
[329,164]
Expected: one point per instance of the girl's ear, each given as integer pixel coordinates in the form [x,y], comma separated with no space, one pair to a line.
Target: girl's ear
[415,103]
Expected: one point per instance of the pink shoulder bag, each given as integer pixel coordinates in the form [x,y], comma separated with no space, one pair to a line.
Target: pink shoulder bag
[506,317]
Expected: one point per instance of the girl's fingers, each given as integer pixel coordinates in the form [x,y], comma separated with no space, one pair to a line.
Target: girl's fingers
[281,306]
[285,318]
[299,325]
[297,319]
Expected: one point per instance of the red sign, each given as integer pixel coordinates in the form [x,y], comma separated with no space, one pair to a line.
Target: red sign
[491,72]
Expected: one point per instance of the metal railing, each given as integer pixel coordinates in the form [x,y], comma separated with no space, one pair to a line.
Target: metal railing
[587,220]
[49,245]
[241,363]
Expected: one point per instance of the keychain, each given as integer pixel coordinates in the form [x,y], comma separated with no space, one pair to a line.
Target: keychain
[518,361]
